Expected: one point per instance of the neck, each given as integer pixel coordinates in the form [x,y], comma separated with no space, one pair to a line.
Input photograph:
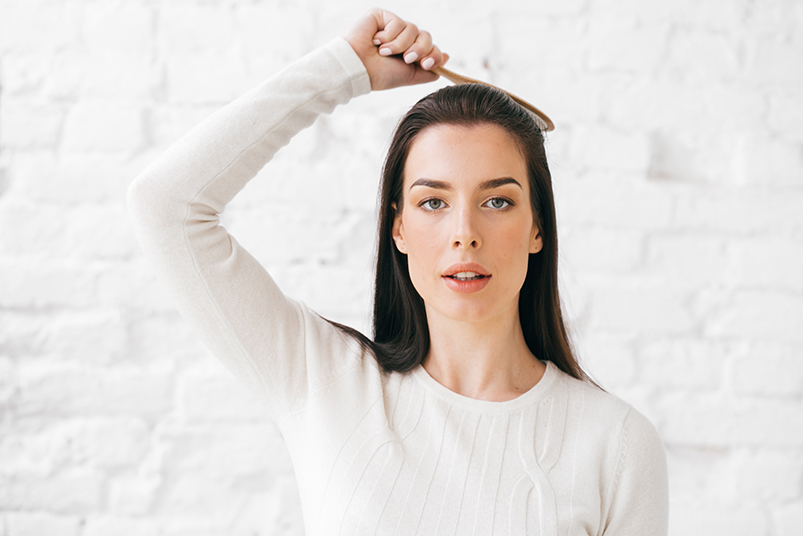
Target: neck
[487,360]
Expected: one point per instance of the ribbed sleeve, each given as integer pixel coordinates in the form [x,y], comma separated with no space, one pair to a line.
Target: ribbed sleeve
[174,206]
[639,491]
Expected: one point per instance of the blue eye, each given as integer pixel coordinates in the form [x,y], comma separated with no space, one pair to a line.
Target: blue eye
[432,204]
[499,203]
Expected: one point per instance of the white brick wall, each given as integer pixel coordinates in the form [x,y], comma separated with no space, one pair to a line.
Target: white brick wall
[678,168]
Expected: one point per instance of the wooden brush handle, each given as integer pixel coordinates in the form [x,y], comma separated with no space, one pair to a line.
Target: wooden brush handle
[460,79]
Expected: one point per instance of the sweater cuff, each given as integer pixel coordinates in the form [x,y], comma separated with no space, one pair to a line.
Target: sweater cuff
[352,64]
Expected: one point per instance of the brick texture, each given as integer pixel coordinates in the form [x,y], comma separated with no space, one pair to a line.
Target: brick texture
[678,171]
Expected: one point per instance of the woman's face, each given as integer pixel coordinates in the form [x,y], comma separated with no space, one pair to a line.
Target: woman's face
[466,224]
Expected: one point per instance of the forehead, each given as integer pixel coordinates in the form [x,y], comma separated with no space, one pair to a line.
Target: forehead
[464,155]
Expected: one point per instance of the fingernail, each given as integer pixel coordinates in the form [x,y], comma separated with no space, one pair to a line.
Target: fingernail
[411,57]
[427,63]
[377,42]
[385,52]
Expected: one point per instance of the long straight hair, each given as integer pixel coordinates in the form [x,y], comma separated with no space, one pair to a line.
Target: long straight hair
[400,330]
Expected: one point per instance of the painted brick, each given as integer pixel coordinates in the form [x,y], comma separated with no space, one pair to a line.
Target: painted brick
[789,518]
[133,286]
[32,449]
[646,309]
[100,233]
[45,238]
[716,56]
[695,260]
[57,389]
[608,359]
[756,314]
[40,523]
[719,421]
[533,71]
[195,496]
[766,160]
[38,26]
[611,201]
[717,519]
[101,525]
[110,443]
[770,476]
[684,364]
[133,495]
[599,249]
[776,18]
[23,73]
[699,474]
[253,22]
[766,262]
[605,149]
[639,53]
[40,177]
[94,337]
[155,337]
[786,114]
[215,77]
[732,212]
[780,366]
[75,74]
[43,285]
[195,27]
[69,492]
[118,29]
[224,451]
[771,60]
[207,394]
[8,380]
[103,125]
[29,123]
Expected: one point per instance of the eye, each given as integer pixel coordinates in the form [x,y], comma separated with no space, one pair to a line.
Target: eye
[432,204]
[499,203]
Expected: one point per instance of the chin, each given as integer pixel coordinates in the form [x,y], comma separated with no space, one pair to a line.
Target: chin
[465,310]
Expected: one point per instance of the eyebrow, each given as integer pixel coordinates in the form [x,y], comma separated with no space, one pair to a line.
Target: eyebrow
[487,185]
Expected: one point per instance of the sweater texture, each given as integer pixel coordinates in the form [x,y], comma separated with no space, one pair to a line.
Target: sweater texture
[375,452]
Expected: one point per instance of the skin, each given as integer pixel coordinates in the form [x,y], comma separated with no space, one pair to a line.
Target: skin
[394,52]
[477,346]
[452,214]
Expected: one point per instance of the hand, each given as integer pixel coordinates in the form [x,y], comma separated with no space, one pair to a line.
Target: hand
[395,53]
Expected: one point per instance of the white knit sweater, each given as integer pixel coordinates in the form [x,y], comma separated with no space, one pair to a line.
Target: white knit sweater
[378,453]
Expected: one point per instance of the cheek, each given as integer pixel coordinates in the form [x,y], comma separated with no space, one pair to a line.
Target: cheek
[422,239]
[512,248]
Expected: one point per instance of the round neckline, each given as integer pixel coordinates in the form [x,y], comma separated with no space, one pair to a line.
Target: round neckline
[487,406]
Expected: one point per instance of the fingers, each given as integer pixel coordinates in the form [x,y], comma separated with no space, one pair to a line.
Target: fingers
[405,36]
[390,26]
[398,37]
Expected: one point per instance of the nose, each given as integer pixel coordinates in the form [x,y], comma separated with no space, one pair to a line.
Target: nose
[465,233]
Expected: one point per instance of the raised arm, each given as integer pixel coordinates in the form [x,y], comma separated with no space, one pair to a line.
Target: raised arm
[273,344]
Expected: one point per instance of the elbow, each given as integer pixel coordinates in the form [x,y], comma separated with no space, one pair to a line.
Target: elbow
[150,204]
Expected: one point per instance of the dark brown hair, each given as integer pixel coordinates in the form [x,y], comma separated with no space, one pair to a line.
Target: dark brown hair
[401,334]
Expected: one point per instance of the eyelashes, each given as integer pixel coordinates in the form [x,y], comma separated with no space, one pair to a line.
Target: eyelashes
[427,204]
[498,203]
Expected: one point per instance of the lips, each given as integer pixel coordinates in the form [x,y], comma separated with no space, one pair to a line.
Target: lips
[466,278]
[470,270]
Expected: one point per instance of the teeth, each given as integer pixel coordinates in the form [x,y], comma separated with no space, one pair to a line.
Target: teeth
[465,276]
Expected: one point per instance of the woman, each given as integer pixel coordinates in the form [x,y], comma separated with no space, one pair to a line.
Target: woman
[467,413]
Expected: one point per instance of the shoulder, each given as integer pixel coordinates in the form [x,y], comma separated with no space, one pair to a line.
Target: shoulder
[597,409]
[612,423]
